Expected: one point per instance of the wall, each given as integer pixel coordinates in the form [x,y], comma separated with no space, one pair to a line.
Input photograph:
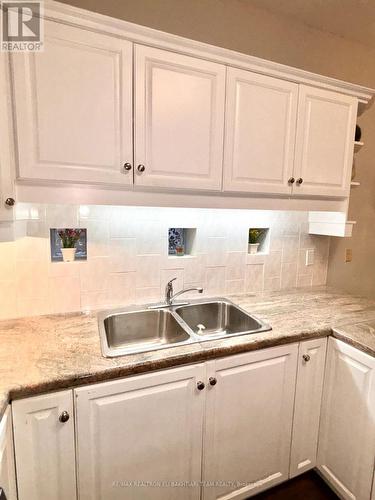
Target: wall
[128,256]
[238,25]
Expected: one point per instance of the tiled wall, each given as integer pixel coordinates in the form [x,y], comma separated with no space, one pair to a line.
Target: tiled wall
[128,256]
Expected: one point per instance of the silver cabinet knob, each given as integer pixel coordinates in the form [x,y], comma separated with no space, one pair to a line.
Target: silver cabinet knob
[10,202]
[127,166]
[291,180]
[212,381]
[200,386]
[64,417]
[141,168]
[306,358]
[299,181]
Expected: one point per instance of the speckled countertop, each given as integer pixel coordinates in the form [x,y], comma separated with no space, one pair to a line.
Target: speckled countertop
[45,353]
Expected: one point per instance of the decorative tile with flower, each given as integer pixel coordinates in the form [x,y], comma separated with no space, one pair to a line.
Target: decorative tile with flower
[181,241]
[68,244]
[258,240]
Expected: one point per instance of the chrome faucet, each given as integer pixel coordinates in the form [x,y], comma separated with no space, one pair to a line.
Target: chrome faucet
[170,296]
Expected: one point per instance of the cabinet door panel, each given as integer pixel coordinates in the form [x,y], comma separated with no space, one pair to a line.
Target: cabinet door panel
[74,107]
[307,405]
[143,430]
[249,421]
[44,446]
[347,431]
[7,469]
[179,120]
[325,142]
[260,133]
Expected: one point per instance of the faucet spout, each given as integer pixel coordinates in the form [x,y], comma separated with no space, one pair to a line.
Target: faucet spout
[199,289]
[170,296]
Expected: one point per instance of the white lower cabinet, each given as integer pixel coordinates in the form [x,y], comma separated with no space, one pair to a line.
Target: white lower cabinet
[44,447]
[248,424]
[7,469]
[309,388]
[347,434]
[220,430]
[141,438]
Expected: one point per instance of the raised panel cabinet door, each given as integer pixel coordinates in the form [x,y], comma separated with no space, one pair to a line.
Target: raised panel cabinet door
[141,438]
[7,151]
[347,431]
[324,143]
[260,126]
[7,469]
[308,400]
[74,107]
[44,447]
[248,422]
[179,120]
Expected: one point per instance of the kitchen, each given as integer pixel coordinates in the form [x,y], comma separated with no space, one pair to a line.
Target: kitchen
[187,306]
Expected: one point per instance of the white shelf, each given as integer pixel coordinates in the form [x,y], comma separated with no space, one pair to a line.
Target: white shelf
[330,224]
[358,145]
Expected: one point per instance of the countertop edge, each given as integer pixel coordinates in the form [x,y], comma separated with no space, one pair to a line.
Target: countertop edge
[205,354]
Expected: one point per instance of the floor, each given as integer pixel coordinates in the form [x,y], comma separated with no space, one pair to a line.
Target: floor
[309,486]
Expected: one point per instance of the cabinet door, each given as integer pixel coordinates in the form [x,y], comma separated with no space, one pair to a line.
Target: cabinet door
[44,446]
[308,400]
[179,120]
[7,159]
[249,422]
[260,125]
[74,107]
[141,437]
[7,469]
[347,431]
[325,142]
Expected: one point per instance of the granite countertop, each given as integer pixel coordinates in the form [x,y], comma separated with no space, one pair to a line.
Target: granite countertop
[47,353]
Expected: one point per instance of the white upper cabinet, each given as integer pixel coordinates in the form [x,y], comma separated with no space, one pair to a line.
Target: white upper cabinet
[74,107]
[179,120]
[248,422]
[6,142]
[101,105]
[260,125]
[347,430]
[325,142]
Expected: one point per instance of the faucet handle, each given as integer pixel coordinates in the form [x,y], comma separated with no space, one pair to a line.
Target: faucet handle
[169,291]
[169,285]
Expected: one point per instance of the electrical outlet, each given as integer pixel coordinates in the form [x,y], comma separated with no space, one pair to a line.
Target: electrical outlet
[309,257]
[348,255]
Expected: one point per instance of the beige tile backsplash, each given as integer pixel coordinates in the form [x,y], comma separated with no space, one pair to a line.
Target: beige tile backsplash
[128,258]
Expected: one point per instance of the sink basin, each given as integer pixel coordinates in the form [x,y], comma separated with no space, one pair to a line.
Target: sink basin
[140,329]
[126,332]
[219,319]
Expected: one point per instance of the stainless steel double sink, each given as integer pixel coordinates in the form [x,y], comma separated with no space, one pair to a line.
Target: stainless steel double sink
[140,329]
